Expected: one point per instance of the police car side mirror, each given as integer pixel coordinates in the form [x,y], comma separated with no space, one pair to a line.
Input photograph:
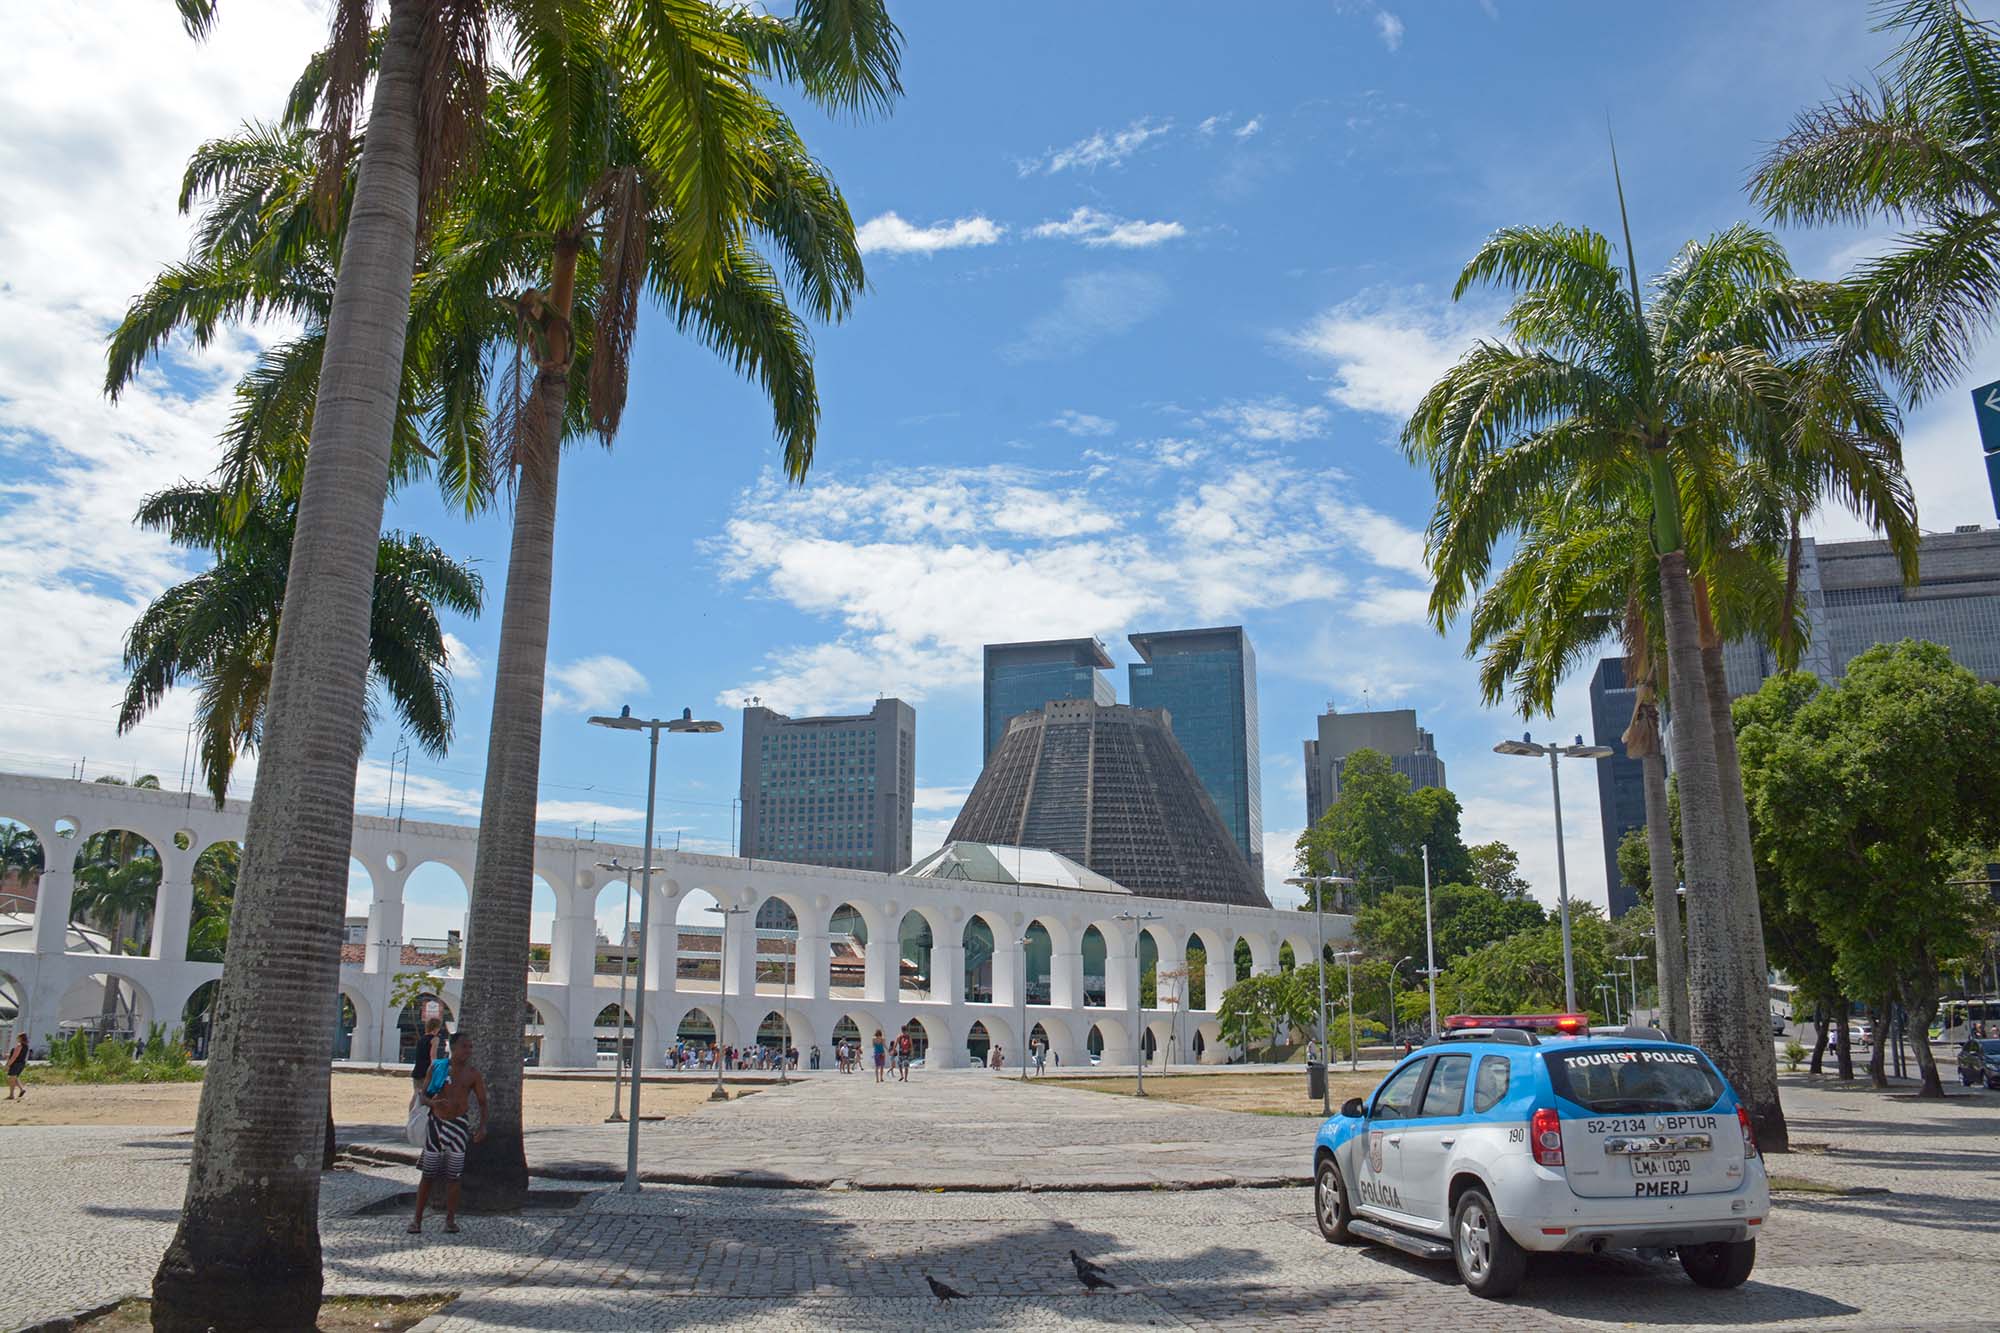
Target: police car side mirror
[1352,1107]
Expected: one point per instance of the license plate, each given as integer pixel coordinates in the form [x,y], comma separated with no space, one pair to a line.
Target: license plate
[1651,1168]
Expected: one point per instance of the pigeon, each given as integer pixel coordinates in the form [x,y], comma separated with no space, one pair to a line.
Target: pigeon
[1090,1275]
[941,1291]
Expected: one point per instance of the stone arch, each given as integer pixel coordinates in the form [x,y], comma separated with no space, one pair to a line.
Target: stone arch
[115,882]
[212,881]
[1162,1039]
[22,861]
[198,1016]
[981,942]
[414,1014]
[853,964]
[110,1003]
[916,939]
[1096,951]
[1195,958]
[13,995]
[775,931]
[538,1034]
[1288,959]
[1242,959]
[1150,994]
[775,1031]
[920,1041]
[698,943]
[1114,1041]
[437,901]
[347,1022]
[1207,1045]
[979,1043]
[1038,963]
[864,1024]
[695,1027]
[616,947]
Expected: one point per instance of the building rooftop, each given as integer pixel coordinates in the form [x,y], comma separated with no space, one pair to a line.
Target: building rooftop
[1144,644]
[993,863]
[1087,650]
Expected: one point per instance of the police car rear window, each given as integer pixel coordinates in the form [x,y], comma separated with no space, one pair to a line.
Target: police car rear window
[1635,1081]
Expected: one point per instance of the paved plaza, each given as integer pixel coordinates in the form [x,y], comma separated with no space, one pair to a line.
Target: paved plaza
[88,1211]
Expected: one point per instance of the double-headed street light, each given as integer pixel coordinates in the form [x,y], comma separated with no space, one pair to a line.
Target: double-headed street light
[722,992]
[1353,1049]
[1632,961]
[624,872]
[1529,747]
[653,727]
[1023,942]
[1138,920]
[1318,885]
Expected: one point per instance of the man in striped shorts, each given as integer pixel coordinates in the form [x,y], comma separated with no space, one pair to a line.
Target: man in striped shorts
[443,1157]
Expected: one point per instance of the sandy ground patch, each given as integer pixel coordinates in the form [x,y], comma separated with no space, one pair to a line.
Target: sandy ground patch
[1272,1094]
[358,1098]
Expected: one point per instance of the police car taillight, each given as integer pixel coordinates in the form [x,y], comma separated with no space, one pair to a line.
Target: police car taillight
[1545,1135]
[1749,1134]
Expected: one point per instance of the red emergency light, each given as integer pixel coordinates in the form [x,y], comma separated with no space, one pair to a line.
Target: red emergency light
[1567,1024]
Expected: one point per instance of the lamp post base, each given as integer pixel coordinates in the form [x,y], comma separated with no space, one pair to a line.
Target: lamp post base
[719,1095]
[614,1119]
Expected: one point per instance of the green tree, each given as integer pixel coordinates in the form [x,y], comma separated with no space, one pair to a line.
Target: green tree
[1523,973]
[220,628]
[1497,866]
[1920,148]
[1866,793]
[1635,869]
[1464,918]
[215,872]
[1376,828]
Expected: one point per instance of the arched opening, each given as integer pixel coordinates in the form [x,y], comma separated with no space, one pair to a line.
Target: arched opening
[117,879]
[1148,1044]
[978,941]
[774,1033]
[846,1031]
[978,1045]
[1244,963]
[355,948]
[343,1030]
[12,996]
[1093,968]
[847,945]
[1287,960]
[696,1030]
[214,882]
[21,866]
[698,925]
[199,1012]
[1149,970]
[1038,962]
[414,1018]
[435,900]
[1093,1042]
[534,1028]
[913,981]
[1195,984]
[777,936]
[104,1004]
[615,910]
[1038,1040]
[543,906]
[920,1039]
[1198,1045]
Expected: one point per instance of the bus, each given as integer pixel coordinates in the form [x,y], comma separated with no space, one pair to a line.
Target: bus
[1960,1017]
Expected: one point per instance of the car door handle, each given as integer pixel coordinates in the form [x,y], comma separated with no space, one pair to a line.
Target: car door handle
[1447,1142]
[1395,1138]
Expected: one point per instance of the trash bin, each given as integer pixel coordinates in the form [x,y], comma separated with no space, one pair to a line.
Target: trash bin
[1315,1079]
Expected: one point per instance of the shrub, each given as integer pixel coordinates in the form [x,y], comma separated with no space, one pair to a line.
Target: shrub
[1793,1054]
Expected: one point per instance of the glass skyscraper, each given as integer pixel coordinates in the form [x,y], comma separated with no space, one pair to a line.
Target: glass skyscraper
[830,791]
[1206,680]
[1621,779]
[1021,677]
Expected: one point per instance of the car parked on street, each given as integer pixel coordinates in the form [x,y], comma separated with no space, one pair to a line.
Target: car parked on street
[1979,1062]
[1494,1143]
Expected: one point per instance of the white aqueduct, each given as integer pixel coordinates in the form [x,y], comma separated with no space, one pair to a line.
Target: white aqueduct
[47,965]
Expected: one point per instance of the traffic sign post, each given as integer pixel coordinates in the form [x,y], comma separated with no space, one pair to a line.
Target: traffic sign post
[1986,410]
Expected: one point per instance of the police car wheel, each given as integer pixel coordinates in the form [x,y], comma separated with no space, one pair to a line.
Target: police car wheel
[1722,1265]
[1330,1206]
[1490,1263]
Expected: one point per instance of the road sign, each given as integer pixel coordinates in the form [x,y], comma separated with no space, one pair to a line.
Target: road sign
[1986,408]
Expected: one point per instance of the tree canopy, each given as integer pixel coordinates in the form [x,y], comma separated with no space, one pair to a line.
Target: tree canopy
[1377,828]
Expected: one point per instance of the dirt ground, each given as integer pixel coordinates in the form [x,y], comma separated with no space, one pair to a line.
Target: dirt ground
[1267,1094]
[358,1098]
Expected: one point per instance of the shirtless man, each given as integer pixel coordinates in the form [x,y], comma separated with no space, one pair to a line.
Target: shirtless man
[443,1157]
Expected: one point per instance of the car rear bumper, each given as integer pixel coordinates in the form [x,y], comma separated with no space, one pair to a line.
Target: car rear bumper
[1591,1239]
[1542,1213]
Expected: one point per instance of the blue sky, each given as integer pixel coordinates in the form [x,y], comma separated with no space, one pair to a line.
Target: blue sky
[1151,289]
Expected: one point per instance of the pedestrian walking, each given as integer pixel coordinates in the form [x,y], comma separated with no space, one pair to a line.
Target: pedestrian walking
[903,1058]
[443,1157]
[815,1056]
[1041,1055]
[880,1049]
[17,1060]
[999,1059]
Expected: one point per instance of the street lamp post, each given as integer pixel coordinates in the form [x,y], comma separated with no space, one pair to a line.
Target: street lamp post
[1632,961]
[1600,988]
[1353,1047]
[624,967]
[1430,946]
[1528,746]
[653,727]
[1393,968]
[1023,942]
[785,1039]
[722,993]
[382,961]
[1139,920]
[1318,884]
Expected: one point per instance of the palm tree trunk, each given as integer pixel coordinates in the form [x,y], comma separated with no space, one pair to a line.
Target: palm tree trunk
[1715,983]
[1843,1040]
[247,1252]
[1878,1050]
[503,878]
[1822,1025]
[1667,945]
[1757,1082]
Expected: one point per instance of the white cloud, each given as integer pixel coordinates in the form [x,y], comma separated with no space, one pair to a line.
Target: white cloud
[465,664]
[1098,150]
[1094,306]
[1389,28]
[590,683]
[1386,353]
[1249,127]
[1093,227]
[1083,423]
[939,798]
[1268,419]
[1208,127]
[889,234]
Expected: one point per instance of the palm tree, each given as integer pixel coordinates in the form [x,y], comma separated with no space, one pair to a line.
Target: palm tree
[1601,396]
[1922,146]
[221,626]
[576,175]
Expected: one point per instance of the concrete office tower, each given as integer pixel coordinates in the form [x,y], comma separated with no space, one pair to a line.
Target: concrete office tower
[1206,681]
[830,791]
[1108,786]
[1021,677]
[1392,731]
[1854,599]
[1621,779]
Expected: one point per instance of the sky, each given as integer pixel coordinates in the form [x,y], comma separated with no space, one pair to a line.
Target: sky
[1151,289]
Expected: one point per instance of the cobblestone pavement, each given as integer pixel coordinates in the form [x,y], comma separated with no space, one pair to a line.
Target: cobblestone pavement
[957,1129]
[1919,1256]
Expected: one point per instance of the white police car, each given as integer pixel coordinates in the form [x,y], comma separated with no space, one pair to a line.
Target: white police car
[1493,1142]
